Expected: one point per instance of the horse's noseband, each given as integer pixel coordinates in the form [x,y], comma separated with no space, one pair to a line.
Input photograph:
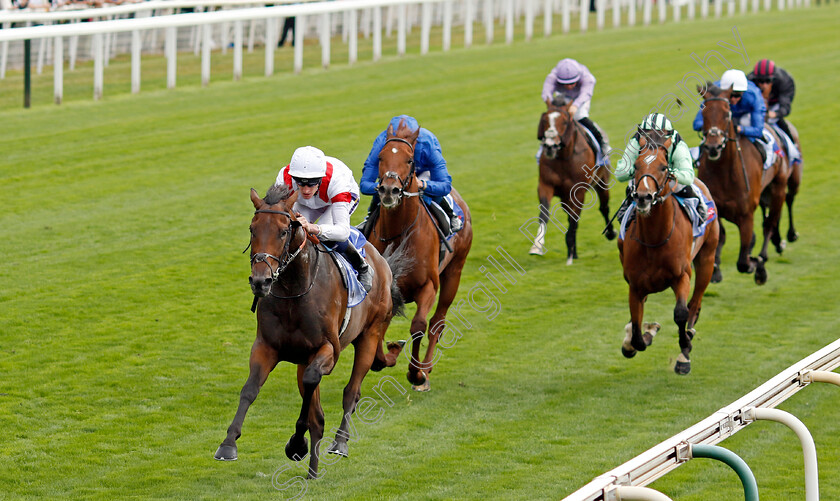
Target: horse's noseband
[657,196]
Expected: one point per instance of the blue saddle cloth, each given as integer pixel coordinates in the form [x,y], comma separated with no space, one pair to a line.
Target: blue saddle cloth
[355,291]
[689,205]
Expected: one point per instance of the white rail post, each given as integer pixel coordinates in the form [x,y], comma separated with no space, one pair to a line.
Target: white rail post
[4,54]
[488,21]
[600,15]
[98,66]
[469,16]
[171,50]
[648,5]
[325,39]
[616,5]
[743,7]
[548,15]
[677,12]
[809,450]
[447,25]
[74,48]
[691,9]
[509,22]
[205,54]
[768,4]
[704,9]
[42,52]
[401,29]
[352,36]
[237,50]
[58,69]
[252,33]
[730,7]
[718,8]
[377,33]
[136,45]
[755,5]
[631,13]
[662,5]
[529,20]
[300,25]
[366,20]
[224,36]
[425,27]
[567,15]
[584,15]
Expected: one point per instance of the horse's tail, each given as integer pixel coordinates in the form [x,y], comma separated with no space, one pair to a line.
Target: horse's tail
[400,261]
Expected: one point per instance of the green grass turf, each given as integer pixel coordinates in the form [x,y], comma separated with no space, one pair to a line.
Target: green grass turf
[124,322]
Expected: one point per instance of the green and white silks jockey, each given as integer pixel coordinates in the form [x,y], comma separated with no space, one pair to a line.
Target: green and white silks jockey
[680,163]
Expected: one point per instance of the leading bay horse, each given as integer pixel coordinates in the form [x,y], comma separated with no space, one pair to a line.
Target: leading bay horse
[405,223]
[658,249]
[301,309]
[567,170]
[795,175]
[732,168]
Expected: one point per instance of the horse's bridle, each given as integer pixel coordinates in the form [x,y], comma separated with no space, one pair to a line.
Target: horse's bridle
[286,258]
[380,188]
[657,196]
[551,131]
[714,131]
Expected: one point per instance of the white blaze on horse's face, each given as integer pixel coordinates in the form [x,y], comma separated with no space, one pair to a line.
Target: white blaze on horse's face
[552,141]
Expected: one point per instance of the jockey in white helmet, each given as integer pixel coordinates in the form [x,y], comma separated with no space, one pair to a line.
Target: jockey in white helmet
[328,195]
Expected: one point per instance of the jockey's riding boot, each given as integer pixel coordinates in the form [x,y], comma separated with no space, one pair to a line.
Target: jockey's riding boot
[688,192]
[603,142]
[359,263]
[455,223]
[625,203]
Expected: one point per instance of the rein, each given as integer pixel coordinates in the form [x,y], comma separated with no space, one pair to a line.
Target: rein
[404,231]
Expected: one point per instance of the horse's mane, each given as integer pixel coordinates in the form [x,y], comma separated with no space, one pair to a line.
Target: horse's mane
[277,193]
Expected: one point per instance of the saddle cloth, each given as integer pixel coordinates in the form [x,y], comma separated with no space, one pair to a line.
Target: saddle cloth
[689,206]
[355,291]
[593,142]
[442,218]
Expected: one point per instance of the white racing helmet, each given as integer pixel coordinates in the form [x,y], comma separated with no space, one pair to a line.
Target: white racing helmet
[735,79]
[308,162]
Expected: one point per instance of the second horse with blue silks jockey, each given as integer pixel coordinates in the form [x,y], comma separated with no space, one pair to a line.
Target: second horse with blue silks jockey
[429,165]
[747,107]
[327,196]
[680,163]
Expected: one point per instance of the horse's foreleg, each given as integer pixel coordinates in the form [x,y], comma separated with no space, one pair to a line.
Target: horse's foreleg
[263,360]
[637,309]
[425,298]
[704,266]
[681,315]
[309,377]
[771,225]
[365,349]
[792,189]
[545,192]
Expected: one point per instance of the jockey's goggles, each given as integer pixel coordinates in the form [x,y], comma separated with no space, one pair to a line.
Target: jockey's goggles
[762,80]
[307,182]
[736,95]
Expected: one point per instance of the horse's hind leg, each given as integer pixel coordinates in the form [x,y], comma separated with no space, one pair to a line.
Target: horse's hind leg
[571,235]
[704,265]
[365,349]
[792,189]
[681,315]
[309,377]
[263,360]
[746,264]
[717,276]
[637,341]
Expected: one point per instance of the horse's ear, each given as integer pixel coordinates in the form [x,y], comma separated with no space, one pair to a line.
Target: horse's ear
[413,137]
[290,202]
[255,199]
[390,132]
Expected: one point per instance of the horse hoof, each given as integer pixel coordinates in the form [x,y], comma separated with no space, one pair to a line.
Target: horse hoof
[610,234]
[628,353]
[760,276]
[424,386]
[419,378]
[640,347]
[226,453]
[717,276]
[792,236]
[570,261]
[396,345]
[537,250]
[339,449]
[682,368]
[296,450]
[780,247]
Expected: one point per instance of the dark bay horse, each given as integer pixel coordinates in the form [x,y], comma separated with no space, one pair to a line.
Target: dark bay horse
[733,170]
[404,222]
[567,171]
[793,181]
[301,309]
[658,250]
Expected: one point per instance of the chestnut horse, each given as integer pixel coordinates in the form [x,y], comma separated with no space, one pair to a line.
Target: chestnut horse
[793,181]
[405,223]
[732,168]
[567,171]
[301,309]
[658,249]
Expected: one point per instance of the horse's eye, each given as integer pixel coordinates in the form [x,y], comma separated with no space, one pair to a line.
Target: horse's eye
[663,168]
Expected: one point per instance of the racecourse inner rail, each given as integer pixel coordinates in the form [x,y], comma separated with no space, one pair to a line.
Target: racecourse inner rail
[628,480]
[330,16]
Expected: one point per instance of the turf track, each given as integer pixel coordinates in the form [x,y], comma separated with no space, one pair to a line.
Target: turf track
[124,322]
